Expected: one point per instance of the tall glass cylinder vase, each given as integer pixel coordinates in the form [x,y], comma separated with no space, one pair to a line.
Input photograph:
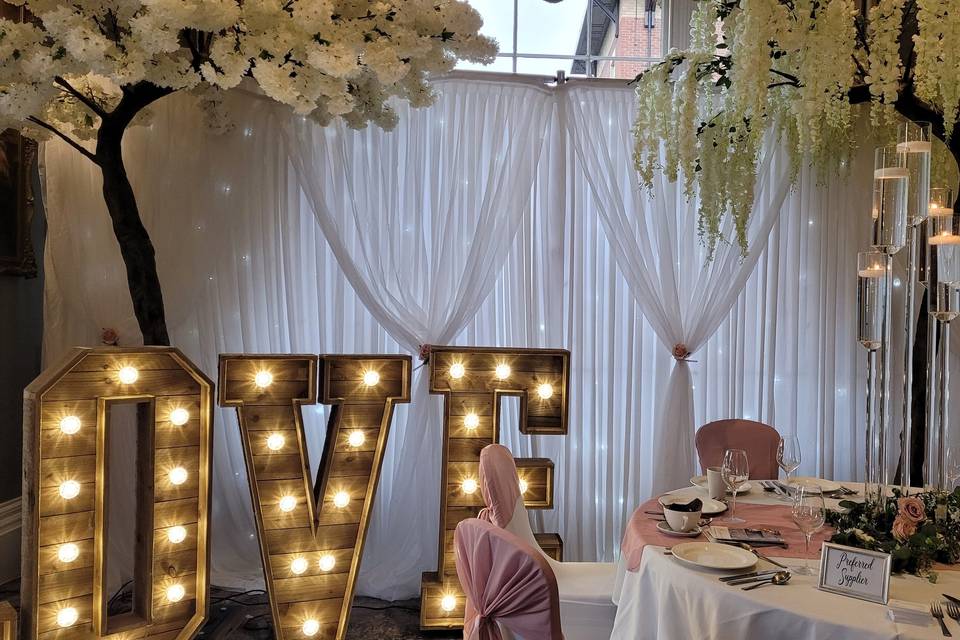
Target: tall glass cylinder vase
[891,180]
[914,144]
[873,271]
[945,307]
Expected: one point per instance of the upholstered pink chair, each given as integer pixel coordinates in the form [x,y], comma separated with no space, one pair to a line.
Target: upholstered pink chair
[511,590]
[586,588]
[760,441]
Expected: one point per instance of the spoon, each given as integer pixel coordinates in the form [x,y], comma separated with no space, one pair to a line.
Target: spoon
[744,545]
[780,577]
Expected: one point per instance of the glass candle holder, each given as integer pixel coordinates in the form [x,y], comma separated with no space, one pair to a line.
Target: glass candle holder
[914,142]
[941,202]
[945,242]
[891,180]
[871,297]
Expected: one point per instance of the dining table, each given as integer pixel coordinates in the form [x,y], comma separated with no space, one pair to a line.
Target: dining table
[660,597]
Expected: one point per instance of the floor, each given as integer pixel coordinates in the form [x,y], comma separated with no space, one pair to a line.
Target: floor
[246,616]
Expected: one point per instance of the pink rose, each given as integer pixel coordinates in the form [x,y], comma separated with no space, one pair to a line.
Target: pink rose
[680,351]
[109,337]
[911,509]
[903,528]
[425,350]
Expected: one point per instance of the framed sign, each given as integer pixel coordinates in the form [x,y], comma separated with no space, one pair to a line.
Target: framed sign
[855,572]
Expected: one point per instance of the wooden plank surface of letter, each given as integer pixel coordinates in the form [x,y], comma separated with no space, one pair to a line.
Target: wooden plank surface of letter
[66,473]
[312,530]
[473,380]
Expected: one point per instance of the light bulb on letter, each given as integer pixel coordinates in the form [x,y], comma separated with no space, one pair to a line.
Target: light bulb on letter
[177,534]
[175,592]
[288,504]
[469,486]
[299,565]
[179,417]
[448,603]
[311,627]
[128,375]
[275,442]
[545,390]
[356,438]
[67,617]
[457,370]
[69,489]
[503,371]
[263,379]
[68,552]
[341,499]
[178,475]
[471,421]
[327,562]
[70,425]
[371,378]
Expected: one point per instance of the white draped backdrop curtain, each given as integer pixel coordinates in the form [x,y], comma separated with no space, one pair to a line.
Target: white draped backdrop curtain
[484,220]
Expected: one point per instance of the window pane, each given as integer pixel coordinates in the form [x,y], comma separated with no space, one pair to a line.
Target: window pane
[543,66]
[497,21]
[550,27]
[501,64]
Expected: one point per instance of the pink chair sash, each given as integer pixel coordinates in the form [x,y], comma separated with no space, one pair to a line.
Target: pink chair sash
[757,439]
[499,484]
[506,582]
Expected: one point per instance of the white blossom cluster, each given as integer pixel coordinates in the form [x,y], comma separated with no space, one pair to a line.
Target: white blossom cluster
[937,67]
[324,58]
[789,64]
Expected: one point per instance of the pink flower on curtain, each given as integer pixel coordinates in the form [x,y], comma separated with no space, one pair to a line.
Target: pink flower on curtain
[680,351]
[109,337]
[425,350]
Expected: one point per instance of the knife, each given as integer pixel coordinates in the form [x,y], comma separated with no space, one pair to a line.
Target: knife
[760,578]
[951,598]
[752,574]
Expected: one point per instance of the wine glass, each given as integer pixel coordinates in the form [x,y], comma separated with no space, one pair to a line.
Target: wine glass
[788,455]
[809,513]
[735,471]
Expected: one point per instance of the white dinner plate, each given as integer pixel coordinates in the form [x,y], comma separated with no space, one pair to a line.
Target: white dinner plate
[665,529]
[713,556]
[711,507]
[814,484]
[701,481]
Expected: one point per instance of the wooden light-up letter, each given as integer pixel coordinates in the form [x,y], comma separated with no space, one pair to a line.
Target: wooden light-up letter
[472,381]
[312,532]
[65,495]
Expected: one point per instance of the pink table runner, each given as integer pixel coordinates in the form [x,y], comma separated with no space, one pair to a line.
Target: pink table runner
[642,530]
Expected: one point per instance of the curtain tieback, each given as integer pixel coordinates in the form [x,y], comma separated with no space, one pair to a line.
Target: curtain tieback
[681,353]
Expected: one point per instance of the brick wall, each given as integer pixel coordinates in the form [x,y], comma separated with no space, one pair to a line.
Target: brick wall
[634,40]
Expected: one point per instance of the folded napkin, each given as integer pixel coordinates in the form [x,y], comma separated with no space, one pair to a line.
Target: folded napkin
[911,613]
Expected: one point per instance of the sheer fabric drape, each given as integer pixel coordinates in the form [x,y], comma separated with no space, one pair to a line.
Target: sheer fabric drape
[246,266]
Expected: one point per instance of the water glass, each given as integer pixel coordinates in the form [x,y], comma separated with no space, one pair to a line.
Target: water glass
[809,514]
[735,471]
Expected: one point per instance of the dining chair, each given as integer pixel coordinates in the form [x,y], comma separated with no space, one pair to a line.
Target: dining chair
[510,588]
[759,440]
[586,588]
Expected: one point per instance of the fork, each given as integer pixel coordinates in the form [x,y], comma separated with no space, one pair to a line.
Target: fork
[937,612]
[953,611]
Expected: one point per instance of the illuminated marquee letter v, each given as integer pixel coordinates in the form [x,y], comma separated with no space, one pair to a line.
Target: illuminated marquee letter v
[312,533]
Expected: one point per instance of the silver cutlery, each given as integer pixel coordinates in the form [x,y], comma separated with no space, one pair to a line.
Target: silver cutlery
[752,574]
[937,612]
[951,598]
[779,578]
[953,611]
[744,545]
[768,575]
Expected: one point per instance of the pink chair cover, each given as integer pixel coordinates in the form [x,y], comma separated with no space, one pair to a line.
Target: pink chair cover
[760,441]
[506,582]
[499,484]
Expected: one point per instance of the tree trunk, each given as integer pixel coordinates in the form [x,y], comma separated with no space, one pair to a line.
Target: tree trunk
[135,245]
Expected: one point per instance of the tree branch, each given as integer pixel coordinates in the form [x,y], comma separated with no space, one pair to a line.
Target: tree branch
[79,95]
[73,143]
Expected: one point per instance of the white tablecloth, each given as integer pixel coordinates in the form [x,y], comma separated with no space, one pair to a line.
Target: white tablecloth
[667,600]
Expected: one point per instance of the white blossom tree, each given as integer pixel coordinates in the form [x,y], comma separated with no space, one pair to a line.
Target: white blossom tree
[798,66]
[88,69]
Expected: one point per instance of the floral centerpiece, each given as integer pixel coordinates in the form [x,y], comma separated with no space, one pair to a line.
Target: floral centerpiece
[917,531]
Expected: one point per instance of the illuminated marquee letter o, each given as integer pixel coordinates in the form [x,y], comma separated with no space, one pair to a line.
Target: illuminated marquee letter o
[312,530]
[472,381]
[65,457]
